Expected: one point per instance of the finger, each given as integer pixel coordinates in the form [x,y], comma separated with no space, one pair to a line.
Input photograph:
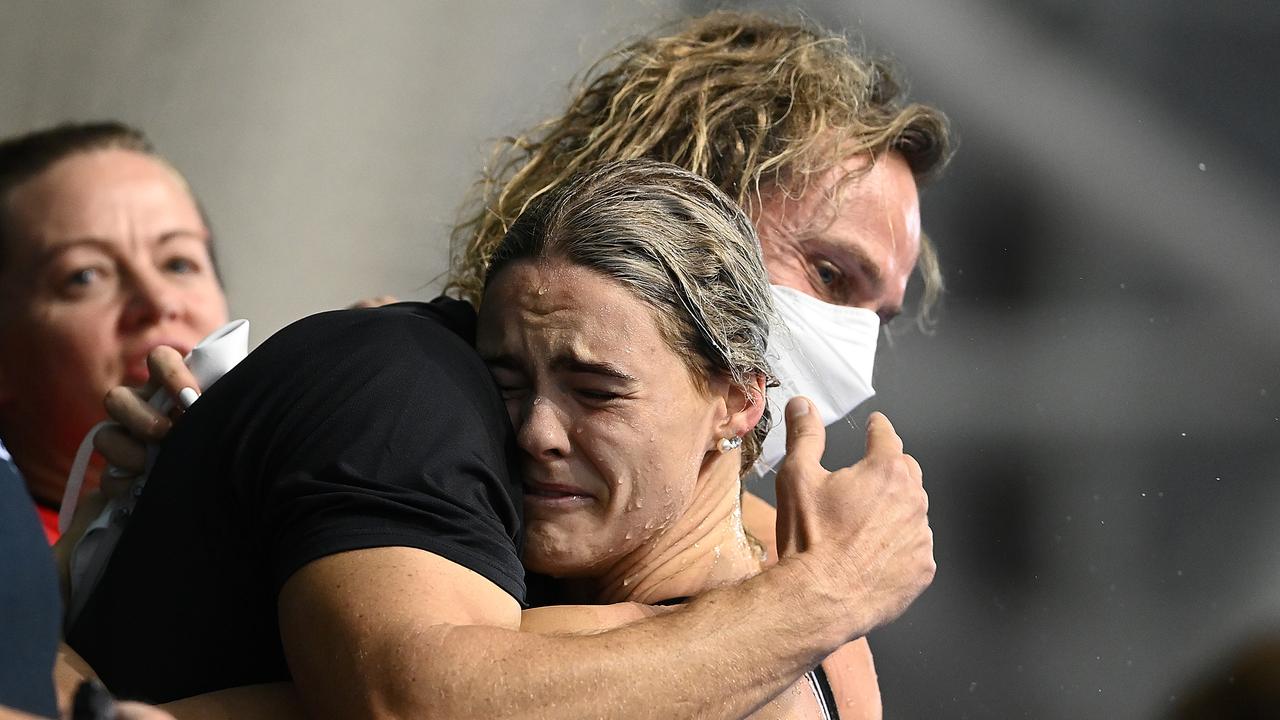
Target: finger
[116,482]
[373,302]
[129,710]
[881,437]
[123,451]
[172,374]
[143,421]
[806,437]
[913,467]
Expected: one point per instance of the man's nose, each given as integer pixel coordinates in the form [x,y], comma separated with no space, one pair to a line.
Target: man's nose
[542,432]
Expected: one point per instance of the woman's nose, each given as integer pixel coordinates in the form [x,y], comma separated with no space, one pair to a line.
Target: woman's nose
[542,433]
[151,299]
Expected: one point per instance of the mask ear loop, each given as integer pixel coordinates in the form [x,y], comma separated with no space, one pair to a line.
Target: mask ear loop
[764,468]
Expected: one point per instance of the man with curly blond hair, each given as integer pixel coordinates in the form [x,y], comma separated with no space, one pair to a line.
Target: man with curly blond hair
[813,137]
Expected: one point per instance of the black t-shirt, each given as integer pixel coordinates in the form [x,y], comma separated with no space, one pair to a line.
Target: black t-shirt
[346,430]
[30,609]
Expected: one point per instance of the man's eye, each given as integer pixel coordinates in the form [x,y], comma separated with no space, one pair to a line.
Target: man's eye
[827,273]
[597,395]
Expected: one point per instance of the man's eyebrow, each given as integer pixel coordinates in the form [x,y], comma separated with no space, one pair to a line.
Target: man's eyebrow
[575,364]
[869,267]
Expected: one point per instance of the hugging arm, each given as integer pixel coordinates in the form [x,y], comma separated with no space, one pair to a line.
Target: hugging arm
[402,632]
[410,634]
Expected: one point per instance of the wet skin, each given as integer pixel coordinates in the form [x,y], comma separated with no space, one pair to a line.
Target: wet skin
[612,428]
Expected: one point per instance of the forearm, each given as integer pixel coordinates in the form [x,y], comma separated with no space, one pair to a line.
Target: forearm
[273,701]
[724,655]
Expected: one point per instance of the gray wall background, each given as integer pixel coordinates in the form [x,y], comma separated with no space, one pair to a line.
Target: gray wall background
[1097,413]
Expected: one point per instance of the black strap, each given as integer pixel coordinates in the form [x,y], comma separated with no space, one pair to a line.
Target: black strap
[822,689]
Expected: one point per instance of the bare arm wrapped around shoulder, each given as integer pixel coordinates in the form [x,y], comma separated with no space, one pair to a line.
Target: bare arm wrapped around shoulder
[398,632]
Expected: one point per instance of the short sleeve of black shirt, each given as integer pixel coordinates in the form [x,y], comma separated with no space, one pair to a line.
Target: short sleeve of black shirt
[386,430]
[347,430]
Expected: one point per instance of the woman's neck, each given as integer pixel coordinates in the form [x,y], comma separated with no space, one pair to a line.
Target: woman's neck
[704,548]
[44,467]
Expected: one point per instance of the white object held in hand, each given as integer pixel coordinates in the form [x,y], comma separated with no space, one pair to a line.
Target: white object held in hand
[211,358]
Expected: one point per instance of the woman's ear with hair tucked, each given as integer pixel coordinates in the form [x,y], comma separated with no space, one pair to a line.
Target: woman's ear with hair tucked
[745,406]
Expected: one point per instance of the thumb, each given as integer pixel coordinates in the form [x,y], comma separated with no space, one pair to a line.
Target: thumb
[881,437]
[806,437]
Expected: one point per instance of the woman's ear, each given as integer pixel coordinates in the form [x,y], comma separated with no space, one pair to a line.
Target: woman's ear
[745,406]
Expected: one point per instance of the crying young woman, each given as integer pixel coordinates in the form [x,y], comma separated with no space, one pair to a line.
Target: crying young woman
[625,318]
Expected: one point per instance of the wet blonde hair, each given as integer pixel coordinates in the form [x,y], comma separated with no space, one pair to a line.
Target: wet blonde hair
[746,101]
[677,243]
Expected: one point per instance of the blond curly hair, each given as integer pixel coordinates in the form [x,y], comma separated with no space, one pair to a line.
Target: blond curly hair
[744,100]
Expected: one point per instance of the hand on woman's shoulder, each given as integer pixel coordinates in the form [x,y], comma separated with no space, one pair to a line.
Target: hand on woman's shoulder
[761,521]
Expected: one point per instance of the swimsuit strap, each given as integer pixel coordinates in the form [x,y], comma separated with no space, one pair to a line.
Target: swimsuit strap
[822,690]
[817,677]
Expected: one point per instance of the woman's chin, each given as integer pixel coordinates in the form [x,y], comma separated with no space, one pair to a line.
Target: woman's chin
[555,562]
[547,551]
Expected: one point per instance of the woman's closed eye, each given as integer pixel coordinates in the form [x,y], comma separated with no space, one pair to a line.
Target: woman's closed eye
[597,395]
[512,392]
[511,385]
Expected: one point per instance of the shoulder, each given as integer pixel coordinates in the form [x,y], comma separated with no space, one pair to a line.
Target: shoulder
[852,675]
[385,357]
[760,519]
[443,328]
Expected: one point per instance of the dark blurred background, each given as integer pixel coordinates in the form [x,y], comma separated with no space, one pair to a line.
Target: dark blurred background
[1097,410]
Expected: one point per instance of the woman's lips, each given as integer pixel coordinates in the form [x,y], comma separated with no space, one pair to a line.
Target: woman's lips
[554,496]
[135,369]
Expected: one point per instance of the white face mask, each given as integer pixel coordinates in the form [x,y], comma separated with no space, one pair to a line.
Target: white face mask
[822,351]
